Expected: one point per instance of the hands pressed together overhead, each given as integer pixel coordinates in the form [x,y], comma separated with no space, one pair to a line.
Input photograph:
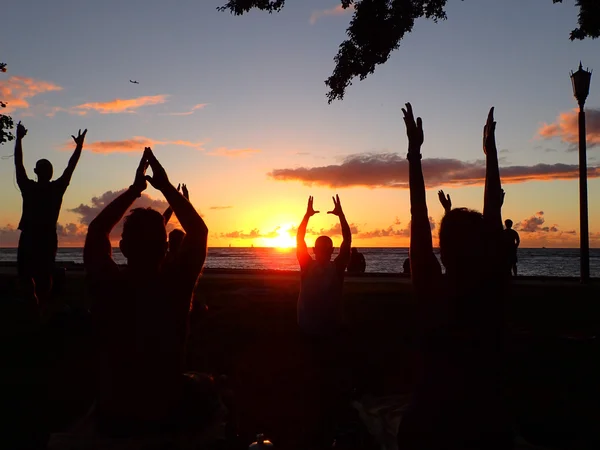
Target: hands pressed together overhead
[21,131]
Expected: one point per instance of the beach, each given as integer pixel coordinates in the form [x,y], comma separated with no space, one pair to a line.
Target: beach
[250,335]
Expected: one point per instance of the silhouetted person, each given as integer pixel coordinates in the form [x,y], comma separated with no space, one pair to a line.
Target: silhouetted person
[512,242]
[406,266]
[322,280]
[459,402]
[140,313]
[357,263]
[42,200]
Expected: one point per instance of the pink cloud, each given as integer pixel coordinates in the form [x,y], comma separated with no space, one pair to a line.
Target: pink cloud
[119,105]
[390,170]
[135,144]
[190,112]
[566,127]
[16,90]
[335,11]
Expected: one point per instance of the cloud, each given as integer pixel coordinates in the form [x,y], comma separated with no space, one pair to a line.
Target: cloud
[135,144]
[336,230]
[390,170]
[219,208]
[566,127]
[187,113]
[252,234]
[16,90]
[233,152]
[69,235]
[118,105]
[535,224]
[336,11]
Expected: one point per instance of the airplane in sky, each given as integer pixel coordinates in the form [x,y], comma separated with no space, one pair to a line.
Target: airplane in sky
[134,82]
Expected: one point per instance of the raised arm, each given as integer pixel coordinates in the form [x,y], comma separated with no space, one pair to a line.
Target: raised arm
[169,211]
[422,260]
[493,196]
[344,257]
[22,177]
[97,253]
[192,254]
[301,249]
[68,173]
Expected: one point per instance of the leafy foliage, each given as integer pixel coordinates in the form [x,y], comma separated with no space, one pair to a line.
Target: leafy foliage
[378,26]
[6,122]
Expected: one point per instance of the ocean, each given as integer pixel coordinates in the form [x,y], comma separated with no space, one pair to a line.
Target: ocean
[532,262]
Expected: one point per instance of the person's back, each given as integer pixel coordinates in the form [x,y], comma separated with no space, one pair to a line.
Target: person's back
[140,312]
[320,301]
[357,263]
[459,400]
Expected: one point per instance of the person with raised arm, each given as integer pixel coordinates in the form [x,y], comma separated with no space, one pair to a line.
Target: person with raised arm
[322,280]
[459,401]
[42,200]
[140,312]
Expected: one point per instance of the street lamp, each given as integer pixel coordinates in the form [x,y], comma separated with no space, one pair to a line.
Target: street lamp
[581,88]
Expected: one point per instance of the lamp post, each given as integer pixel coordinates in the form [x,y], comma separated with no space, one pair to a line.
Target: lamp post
[581,88]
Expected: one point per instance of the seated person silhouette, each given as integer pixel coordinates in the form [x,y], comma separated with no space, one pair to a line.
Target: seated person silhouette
[140,313]
[322,280]
[512,243]
[357,263]
[42,200]
[406,266]
[458,401]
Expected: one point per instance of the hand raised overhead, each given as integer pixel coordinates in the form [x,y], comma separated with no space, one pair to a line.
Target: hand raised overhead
[337,207]
[186,193]
[445,201]
[139,183]
[414,130]
[310,211]
[80,138]
[159,179]
[489,134]
[21,131]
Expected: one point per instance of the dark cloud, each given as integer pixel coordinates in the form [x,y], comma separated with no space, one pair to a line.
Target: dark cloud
[535,224]
[69,235]
[252,234]
[390,170]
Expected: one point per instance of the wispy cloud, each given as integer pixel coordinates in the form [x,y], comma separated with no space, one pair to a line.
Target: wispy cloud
[255,233]
[135,144]
[566,127]
[390,170]
[119,105]
[233,152]
[336,11]
[16,90]
[187,113]
[219,208]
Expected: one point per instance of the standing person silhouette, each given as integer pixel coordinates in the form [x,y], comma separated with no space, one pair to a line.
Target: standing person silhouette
[512,241]
[459,401]
[175,236]
[140,313]
[42,200]
[322,280]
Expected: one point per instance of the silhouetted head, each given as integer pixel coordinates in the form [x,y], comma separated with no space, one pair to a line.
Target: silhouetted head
[354,250]
[508,223]
[144,239]
[323,249]
[175,239]
[462,243]
[43,169]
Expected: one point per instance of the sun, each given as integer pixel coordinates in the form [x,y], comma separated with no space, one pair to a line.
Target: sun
[283,240]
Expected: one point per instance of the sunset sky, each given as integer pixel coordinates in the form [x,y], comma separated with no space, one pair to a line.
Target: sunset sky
[236,108]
